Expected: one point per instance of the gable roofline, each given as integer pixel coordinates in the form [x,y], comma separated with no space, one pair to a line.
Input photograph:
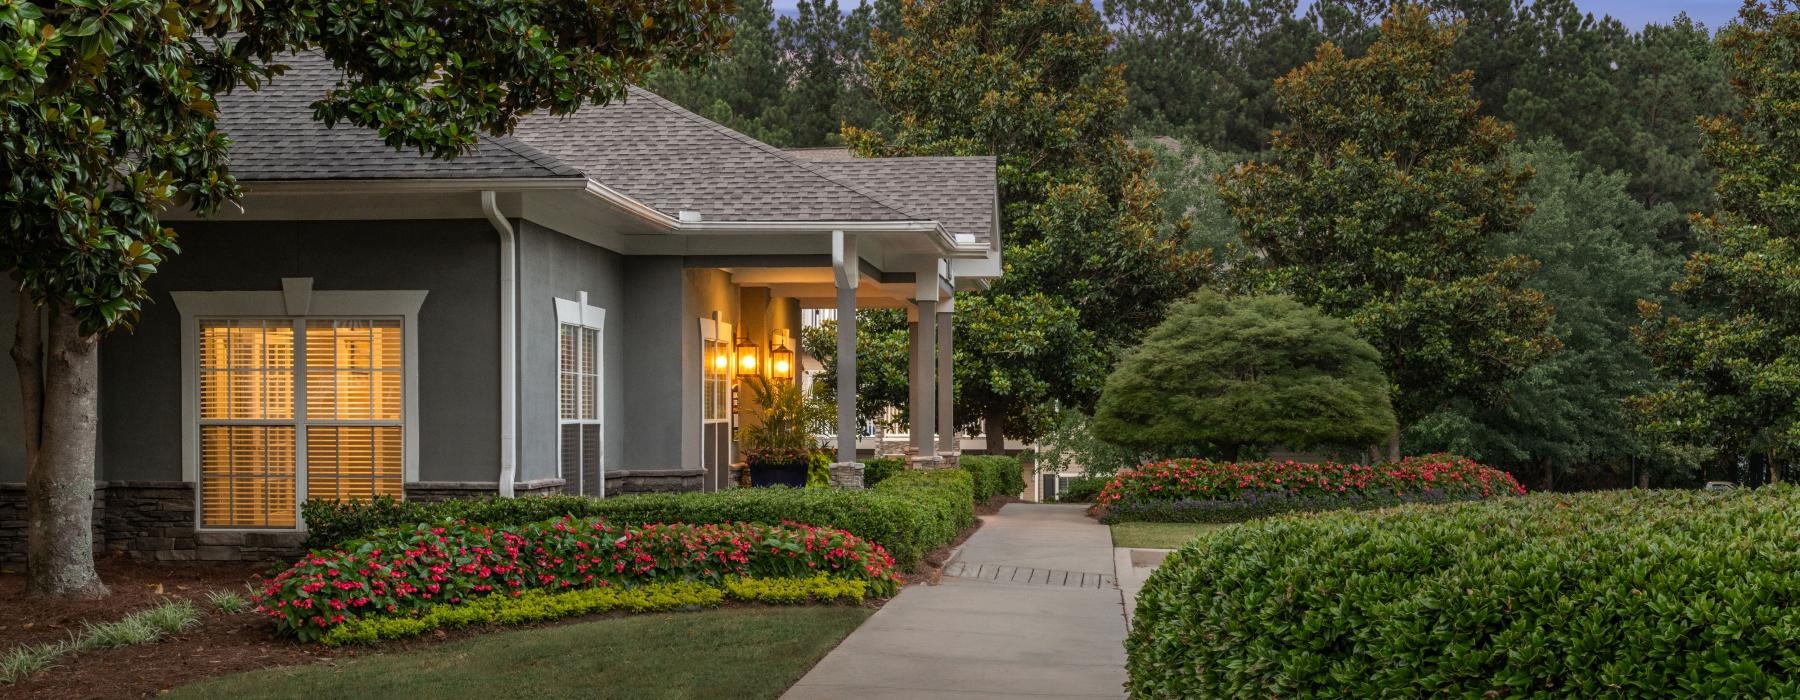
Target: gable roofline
[786,157]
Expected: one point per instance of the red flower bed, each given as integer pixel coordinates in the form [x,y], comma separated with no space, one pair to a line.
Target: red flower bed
[401,572]
[1449,476]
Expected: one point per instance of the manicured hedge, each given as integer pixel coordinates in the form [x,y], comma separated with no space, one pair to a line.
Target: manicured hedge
[1195,490]
[910,513]
[1615,595]
[879,469]
[994,476]
[1083,490]
[406,572]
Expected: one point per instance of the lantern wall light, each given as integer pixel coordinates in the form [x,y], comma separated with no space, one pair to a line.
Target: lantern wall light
[781,361]
[746,355]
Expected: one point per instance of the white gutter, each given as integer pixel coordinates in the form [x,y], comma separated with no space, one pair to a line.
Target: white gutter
[945,242]
[509,343]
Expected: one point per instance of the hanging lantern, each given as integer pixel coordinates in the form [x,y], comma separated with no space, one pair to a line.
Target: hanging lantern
[781,362]
[746,355]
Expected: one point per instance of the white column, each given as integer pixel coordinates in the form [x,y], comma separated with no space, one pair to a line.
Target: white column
[946,376]
[844,268]
[923,379]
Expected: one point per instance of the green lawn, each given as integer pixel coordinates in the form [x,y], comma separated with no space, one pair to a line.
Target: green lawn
[729,653]
[1158,535]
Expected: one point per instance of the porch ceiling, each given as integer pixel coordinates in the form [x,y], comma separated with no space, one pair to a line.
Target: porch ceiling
[815,289]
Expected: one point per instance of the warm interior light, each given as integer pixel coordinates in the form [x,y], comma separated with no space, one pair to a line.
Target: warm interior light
[720,362]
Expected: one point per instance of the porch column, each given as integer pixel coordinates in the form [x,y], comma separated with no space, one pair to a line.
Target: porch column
[922,380]
[844,269]
[946,376]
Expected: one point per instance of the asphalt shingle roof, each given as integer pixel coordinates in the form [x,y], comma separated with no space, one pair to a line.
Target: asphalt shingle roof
[277,139]
[644,147]
[674,160]
[956,192]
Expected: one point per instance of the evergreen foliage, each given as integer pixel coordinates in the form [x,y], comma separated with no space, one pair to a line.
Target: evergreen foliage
[1033,84]
[1252,371]
[1735,364]
[1562,419]
[1380,203]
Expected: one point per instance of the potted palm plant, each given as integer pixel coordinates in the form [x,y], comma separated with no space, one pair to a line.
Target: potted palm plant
[780,435]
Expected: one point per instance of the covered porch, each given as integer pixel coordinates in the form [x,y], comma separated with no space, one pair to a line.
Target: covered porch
[925,289]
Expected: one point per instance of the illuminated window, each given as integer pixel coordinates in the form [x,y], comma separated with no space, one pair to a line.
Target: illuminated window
[260,442]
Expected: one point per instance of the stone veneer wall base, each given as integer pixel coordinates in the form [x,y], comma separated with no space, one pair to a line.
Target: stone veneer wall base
[155,520]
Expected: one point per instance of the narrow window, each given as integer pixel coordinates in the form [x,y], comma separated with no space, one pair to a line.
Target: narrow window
[579,398]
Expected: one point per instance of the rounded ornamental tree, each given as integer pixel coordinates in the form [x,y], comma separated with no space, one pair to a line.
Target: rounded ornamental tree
[1227,373]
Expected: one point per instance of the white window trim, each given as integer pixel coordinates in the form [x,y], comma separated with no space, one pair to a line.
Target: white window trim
[715,336]
[577,312]
[296,300]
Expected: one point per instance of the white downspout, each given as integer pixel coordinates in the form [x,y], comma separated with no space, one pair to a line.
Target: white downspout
[509,343]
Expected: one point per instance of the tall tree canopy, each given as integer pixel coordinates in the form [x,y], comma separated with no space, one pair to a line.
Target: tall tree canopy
[1735,367]
[1563,419]
[107,115]
[1622,100]
[1379,204]
[792,81]
[1033,83]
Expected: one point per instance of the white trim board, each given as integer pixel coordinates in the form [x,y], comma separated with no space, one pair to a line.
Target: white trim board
[275,304]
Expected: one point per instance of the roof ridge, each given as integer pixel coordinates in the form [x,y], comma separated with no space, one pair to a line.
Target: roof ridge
[520,148]
[789,158]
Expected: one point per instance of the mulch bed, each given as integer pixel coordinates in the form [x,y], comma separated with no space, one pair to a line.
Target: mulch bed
[220,644]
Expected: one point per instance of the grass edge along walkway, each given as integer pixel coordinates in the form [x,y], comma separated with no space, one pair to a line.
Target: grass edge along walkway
[1138,535]
[751,652]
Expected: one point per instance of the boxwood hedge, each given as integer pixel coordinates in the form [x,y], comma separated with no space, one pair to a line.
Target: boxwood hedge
[1624,594]
[909,513]
[994,475]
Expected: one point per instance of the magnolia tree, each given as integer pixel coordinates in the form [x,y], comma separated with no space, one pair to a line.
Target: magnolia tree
[108,116]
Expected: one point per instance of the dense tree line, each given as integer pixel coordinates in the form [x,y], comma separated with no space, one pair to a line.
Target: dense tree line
[1601,132]
[791,81]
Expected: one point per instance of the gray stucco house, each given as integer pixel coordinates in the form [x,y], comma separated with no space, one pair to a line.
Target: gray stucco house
[563,310]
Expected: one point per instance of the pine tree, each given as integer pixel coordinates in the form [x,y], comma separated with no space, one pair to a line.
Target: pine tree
[1379,203]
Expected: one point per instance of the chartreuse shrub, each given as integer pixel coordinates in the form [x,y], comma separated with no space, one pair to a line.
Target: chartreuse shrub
[1601,595]
[994,475]
[408,572]
[1201,491]
[909,513]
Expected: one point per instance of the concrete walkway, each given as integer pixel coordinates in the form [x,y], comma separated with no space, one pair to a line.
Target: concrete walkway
[1028,608]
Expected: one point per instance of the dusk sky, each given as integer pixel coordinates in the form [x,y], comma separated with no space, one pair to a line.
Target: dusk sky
[1713,13]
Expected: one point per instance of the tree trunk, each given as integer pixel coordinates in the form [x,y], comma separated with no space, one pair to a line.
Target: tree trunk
[1549,473]
[59,489]
[1394,446]
[994,425]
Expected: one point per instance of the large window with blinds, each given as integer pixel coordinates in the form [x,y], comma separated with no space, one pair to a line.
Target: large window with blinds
[297,408]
